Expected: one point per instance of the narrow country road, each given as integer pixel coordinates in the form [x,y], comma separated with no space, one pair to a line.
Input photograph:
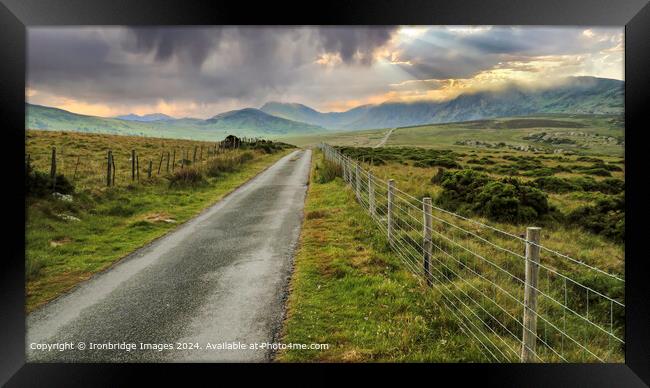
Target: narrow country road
[220,278]
[385,138]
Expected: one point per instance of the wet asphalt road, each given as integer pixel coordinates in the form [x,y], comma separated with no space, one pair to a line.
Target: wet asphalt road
[218,279]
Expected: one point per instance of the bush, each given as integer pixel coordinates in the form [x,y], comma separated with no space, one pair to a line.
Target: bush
[556,185]
[39,184]
[597,171]
[565,185]
[186,177]
[501,200]
[327,171]
[606,218]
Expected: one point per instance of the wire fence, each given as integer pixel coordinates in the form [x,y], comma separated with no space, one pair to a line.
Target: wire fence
[520,300]
[120,166]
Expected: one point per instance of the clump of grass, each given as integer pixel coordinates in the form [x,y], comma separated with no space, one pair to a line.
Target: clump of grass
[188,176]
[327,171]
[227,163]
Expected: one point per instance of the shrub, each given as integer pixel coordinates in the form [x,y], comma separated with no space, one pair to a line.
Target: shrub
[597,171]
[556,185]
[39,184]
[502,200]
[606,217]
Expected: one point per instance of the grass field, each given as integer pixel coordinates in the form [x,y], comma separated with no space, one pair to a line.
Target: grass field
[580,134]
[68,240]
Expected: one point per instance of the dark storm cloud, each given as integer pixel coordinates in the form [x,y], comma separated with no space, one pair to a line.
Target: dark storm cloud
[145,64]
[349,41]
[191,44]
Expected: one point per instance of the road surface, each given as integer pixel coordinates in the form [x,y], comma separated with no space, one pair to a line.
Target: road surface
[385,138]
[219,280]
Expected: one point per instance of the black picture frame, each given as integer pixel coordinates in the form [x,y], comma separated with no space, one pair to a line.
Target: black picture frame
[17,15]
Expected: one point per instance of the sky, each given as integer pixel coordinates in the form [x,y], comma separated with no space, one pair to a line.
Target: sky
[202,71]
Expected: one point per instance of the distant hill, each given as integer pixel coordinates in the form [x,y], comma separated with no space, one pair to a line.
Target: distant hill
[255,119]
[245,122]
[578,95]
[145,118]
[300,112]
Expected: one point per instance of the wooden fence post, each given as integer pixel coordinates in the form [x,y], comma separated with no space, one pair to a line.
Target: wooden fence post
[389,210]
[427,243]
[160,163]
[109,174]
[173,159]
[530,295]
[167,169]
[53,168]
[149,171]
[76,166]
[132,165]
[371,195]
[114,170]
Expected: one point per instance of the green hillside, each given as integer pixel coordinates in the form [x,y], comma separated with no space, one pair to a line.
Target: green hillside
[243,123]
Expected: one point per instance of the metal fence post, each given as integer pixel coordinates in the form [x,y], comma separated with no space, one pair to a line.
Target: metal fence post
[389,210]
[427,243]
[357,181]
[529,336]
[371,195]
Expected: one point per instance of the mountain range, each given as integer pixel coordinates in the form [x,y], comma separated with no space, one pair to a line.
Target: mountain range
[578,95]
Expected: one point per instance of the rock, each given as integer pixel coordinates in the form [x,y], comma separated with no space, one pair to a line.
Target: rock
[62,197]
[67,217]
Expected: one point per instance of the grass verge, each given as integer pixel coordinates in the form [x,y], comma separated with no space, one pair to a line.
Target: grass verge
[350,292]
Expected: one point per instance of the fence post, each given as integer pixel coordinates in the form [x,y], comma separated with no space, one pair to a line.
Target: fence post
[357,182]
[530,294]
[114,170]
[109,174]
[76,166]
[167,168]
[371,195]
[149,171]
[194,156]
[427,243]
[53,169]
[173,159]
[132,165]
[160,163]
[389,210]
